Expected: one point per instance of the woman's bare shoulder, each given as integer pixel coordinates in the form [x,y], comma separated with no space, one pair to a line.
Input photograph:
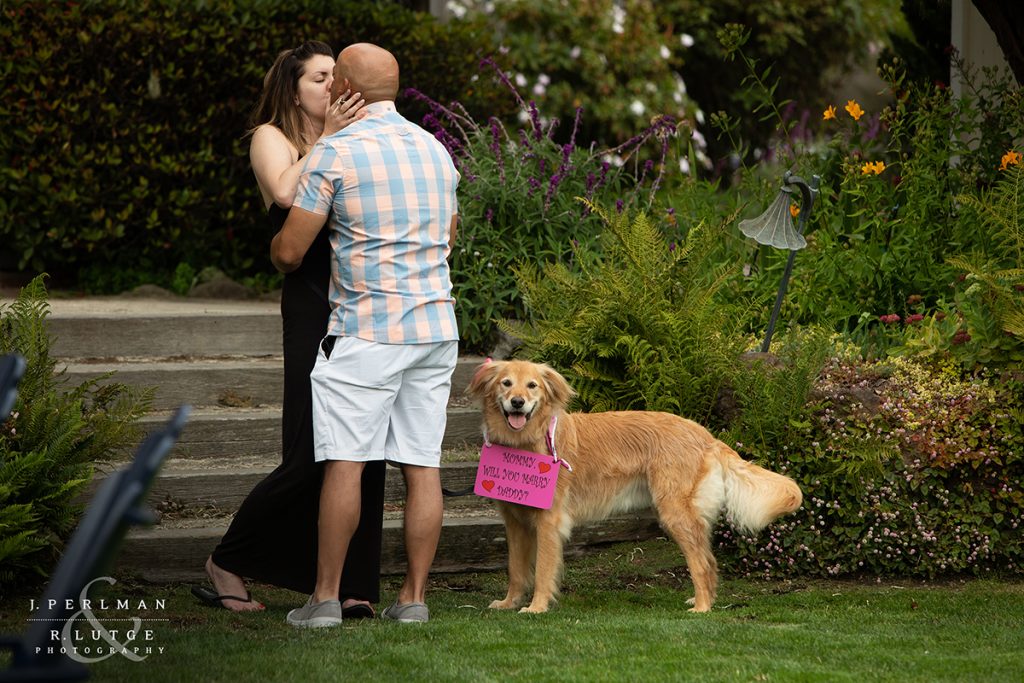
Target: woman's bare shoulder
[269,133]
[269,139]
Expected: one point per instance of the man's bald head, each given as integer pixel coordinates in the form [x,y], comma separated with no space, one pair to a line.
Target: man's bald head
[369,69]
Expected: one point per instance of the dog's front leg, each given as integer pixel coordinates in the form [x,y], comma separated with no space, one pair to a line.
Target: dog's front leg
[549,563]
[521,551]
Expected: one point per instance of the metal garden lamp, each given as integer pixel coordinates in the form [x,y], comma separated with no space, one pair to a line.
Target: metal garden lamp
[774,228]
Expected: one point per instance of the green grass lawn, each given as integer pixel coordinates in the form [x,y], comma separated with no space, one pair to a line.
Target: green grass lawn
[622,616]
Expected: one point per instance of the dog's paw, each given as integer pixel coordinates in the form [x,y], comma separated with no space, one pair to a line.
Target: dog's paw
[695,610]
[691,601]
[502,604]
[533,610]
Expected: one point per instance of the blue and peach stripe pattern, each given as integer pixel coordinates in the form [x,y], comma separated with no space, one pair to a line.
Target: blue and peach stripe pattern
[389,189]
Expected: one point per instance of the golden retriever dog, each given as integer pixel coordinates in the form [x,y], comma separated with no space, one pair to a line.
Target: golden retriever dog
[620,461]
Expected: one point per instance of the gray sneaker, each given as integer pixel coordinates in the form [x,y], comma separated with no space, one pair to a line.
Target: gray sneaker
[409,613]
[321,615]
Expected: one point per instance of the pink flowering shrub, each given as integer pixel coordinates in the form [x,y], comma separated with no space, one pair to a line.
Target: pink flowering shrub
[907,469]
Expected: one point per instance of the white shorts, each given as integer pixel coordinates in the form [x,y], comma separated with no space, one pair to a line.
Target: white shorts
[375,401]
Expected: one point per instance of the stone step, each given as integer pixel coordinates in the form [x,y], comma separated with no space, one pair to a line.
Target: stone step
[103,327]
[252,436]
[225,488]
[248,382]
[162,554]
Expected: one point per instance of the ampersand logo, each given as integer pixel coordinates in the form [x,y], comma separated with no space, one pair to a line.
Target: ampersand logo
[68,641]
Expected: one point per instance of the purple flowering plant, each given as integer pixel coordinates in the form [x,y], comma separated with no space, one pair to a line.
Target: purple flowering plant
[524,196]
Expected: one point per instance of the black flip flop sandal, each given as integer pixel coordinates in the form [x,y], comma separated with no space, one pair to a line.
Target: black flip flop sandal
[211,599]
[359,610]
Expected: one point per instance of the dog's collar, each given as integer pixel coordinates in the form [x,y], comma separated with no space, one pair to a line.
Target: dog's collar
[549,437]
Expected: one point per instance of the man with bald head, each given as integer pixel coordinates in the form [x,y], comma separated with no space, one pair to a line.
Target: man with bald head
[386,189]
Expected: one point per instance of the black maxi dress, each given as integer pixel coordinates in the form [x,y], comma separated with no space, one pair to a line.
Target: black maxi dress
[273,537]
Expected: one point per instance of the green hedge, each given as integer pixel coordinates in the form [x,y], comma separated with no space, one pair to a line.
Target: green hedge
[123,153]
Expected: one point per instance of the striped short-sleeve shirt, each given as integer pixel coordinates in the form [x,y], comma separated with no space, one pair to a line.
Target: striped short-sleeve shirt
[389,187]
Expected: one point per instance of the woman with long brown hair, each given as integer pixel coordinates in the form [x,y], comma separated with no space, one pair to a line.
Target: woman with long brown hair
[273,537]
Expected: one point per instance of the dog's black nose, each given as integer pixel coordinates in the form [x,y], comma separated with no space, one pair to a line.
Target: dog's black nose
[518,403]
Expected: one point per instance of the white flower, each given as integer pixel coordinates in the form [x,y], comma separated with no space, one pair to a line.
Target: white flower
[575,52]
[521,80]
[680,84]
[637,107]
[539,89]
[618,19]
[665,52]
[613,159]
[686,40]
[700,116]
[457,9]
[684,165]
[522,116]
[544,79]
[698,137]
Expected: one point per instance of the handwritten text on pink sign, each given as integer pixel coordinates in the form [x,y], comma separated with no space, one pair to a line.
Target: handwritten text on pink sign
[516,476]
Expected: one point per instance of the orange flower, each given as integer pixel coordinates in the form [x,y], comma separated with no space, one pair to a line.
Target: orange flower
[870,167]
[830,113]
[854,110]
[794,210]
[1011,158]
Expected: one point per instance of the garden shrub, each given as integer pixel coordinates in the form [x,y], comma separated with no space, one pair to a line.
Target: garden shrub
[124,152]
[626,61]
[609,57]
[49,444]
[888,225]
[908,470]
[637,327]
[519,199]
[809,46]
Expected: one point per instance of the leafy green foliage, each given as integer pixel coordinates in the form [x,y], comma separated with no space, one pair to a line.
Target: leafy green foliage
[802,47]
[611,58]
[993,303]
[48,445]
[519,200]
[124,123]
[887,226]
[907,469]
[638,327]
[772,391]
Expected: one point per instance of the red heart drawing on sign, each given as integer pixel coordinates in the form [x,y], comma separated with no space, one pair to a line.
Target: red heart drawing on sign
[487,484]
[544,467]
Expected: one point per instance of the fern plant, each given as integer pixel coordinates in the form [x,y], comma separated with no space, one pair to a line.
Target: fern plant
[49,443]
[637,327]
[993,304]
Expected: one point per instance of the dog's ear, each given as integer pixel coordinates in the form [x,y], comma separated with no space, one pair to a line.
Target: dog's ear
[559,391]
[482,378]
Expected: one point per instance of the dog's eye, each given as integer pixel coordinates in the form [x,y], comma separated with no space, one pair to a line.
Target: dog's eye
[531,385]
[506,382]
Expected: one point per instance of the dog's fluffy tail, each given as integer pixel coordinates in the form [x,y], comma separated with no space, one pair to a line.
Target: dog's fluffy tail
[754,496]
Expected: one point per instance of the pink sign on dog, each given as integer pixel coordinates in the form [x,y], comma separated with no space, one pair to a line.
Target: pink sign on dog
[516,476]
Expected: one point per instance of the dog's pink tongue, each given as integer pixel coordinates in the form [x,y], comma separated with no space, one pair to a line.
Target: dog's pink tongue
[517,421]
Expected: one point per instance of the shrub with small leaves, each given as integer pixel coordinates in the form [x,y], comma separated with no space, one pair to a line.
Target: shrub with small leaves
[908,468]
[124,150]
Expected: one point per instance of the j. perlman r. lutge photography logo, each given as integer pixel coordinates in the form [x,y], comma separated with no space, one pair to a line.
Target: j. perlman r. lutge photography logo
[84,637]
